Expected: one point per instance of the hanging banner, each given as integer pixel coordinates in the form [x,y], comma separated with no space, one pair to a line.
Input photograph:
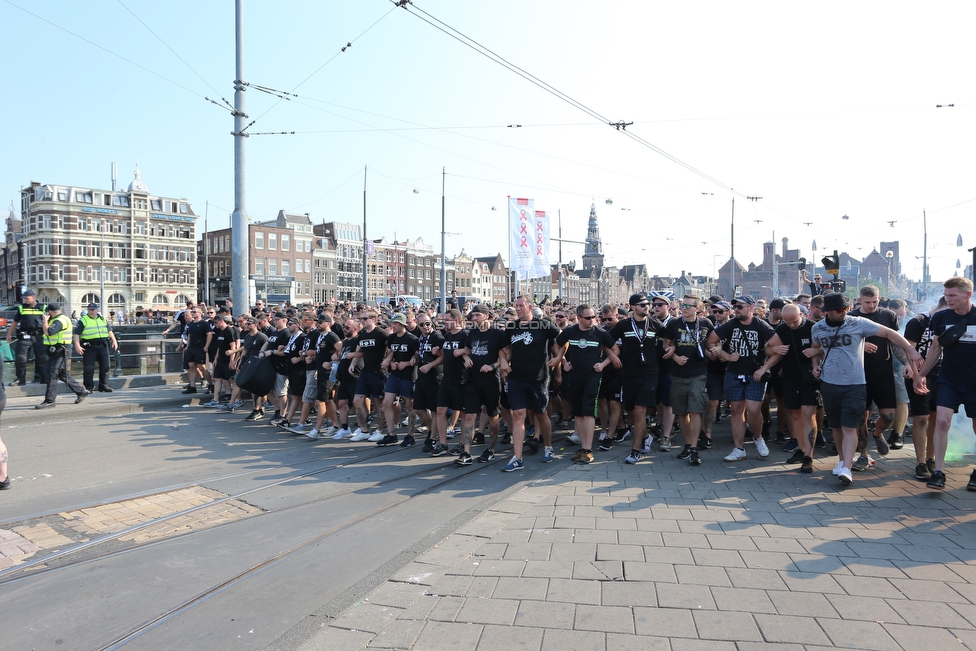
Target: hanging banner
[540,246]
[521,217]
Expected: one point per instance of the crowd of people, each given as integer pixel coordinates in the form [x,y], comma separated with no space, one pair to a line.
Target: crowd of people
[841,375]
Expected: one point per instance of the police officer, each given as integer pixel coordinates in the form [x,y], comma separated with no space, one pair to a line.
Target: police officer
[93,337]
[29,317]
[57,340]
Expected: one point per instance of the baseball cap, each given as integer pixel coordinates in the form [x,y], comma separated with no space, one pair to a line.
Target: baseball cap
[638,298]
[28,292]
[93,306]
[53,306]
[744,299]
[480,308]
[280,315]
[323,317]
[777,304]
[293,321]
[723,305]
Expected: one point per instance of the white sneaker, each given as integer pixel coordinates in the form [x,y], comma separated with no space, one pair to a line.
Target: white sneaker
[346,433]
[737,454]
[762,448]
[297,429]
[845,476]
[376,436]
[328,431]
[359,435]
[836,471]
[312,433]
[341,434]
[573,438]
[647,445]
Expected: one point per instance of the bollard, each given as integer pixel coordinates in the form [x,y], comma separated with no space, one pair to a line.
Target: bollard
[143,366]
[118,363]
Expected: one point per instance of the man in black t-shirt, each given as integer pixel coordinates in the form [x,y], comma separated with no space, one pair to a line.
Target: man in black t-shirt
[224,341]
[197,335]
[325,353]
[400,361]
[431,353]
[295,370]
[371,384]
[278,336]
[684,339]
[482,361]
[918,332]
[251,346]
[450,393]
[346,377]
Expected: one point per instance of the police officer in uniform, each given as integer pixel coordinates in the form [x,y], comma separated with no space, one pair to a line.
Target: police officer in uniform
[93,337]
[57,340]
[29,317]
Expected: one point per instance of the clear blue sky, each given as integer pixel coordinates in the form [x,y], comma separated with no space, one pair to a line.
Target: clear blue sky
[822,110]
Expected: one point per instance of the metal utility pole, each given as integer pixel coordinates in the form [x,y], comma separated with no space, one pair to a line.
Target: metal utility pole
[206,255]
[365,241]
[443,243]
[732,263]
[239,221]
[925,250]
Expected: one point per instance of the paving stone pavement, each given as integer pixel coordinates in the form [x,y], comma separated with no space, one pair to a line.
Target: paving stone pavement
[666,556]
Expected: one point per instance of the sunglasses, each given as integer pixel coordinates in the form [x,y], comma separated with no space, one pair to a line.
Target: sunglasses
[365,318]
[686,306]
[659,304]
[425,323]
[738,307]
[560,316]
[606,319]
[644,304]
[588,318]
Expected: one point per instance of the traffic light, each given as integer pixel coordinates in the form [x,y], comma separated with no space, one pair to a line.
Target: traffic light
[831,263]
[839,285]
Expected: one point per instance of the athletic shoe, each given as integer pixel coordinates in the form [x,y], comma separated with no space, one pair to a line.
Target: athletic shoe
[861,463]
[791,445]
[836,471]
[464,460]
[267,405]
[606,443]
[5,484]
[930,464]
[342,433]
[737,454]
[313,433]
[406,422]
[212,403]
[938,480]
[665,444]
[486,456]
[576,456]
[284,424]
[882,445]
[408,441]
[845,476]
[634,456]
[438,450]
[547,455]
[359,435]
[586,457]
[513,465]
[507,439]
[573,438]
[762,448]
[257,414]
[428,446]
[780,438]
[922,472]
[821,441]
[971,486]
[457,449]
[277,419]
[704,442]
[389,439]
[797,457]
[532,444]
[806,465]
[376,436]
[694,459]
[564,424]
[190,390]
[646,448]
[297,429]
[896,442]
[450,433]
[685,453]
[478,438]
[620,437]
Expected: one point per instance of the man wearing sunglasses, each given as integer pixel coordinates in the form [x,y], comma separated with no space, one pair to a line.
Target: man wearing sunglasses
[720,312]
[685,340]
[431,352]
[371,385]
[611,386]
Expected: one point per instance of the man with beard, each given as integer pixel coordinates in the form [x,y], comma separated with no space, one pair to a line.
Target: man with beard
[251,346]
[450,393]
[611,386]
[295,370]
[275,348]
[482,360]
[328,348]
[224,341]
[431,352]
[371,348]
[197,335]
[685,340]
[400,361]
[918,332]
[346,379]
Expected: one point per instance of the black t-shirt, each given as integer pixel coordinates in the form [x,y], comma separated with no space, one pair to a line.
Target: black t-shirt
[795,365]
[222,341]
[426,345]
[689,341]
[585,348]
[918,329]
[747,340]
[959,360]
[638,354]
[453,366]
[311,339]
[324,350]
[484,346]
[293,348]
[879,362]
[252,344]
[275,339]
[373,347]
[717,366]
[530,343]
[403,347]
[196,335]
[348,346]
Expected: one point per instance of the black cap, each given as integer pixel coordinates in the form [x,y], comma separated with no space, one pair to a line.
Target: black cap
[280,315]
[28,292]
[777,304]
[480,308]
[53,306]
[640,297]
[93,306]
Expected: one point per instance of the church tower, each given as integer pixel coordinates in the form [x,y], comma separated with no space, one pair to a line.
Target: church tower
[593,251]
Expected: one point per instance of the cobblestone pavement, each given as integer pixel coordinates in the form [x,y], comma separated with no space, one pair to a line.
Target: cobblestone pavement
[663,555]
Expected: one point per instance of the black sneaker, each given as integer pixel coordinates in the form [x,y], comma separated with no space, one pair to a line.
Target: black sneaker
[881,445]
[797,457]
[283,424]
[791,445]
[253,416]
[780,438]
[408,441]
[821,441]
[479,438]
[971,486]
[190,390]
[464,460]
[5,484]
[704,442]
[606,443]
[930,464]
[694,459]
[457,449]
[486,456]
[428,445]
[389,439]
[438,450]
[807,465]
[532,444]
[685,453]
[922,473]
[507,439]
[81,397]
[938,480]
[896,441]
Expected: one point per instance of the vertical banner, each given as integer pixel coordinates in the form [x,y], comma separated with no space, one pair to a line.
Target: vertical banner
[521,213]
[540,246]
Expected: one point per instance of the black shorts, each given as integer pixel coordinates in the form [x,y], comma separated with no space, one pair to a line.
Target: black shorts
[324,389]
[844,404]
[371,384]
[296,383]
[345,390]
[222,370]
[776,384]
[880,391]
[799,392]
[583,393]
[950,396]
[482,394]
[532,396]
[194,356]
[612,388]
[425,392]
[451,395]
[923,404]
[641,391]
[714,384]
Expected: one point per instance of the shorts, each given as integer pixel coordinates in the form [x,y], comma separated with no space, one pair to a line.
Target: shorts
[714,385]
[399,386]
[583,393]
[281,385]
[664,389]
[737,391]
[776,383]
[688,395]
[923,404]
[880,390]
[800,392]
[371,383]
[481,394]
[503,397]
[639,391]
[901,392]
[194,356]
[222,370]
[451,395]
[528,395]
[311,393]
[951,397]
[346,390]
[425,392]
[296,384]
[844,404]
[324,389]
[612,388]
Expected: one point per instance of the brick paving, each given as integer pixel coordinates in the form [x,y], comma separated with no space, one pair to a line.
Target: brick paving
[666,556]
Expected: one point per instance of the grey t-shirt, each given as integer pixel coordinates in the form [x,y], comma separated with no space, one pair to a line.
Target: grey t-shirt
[844,348]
